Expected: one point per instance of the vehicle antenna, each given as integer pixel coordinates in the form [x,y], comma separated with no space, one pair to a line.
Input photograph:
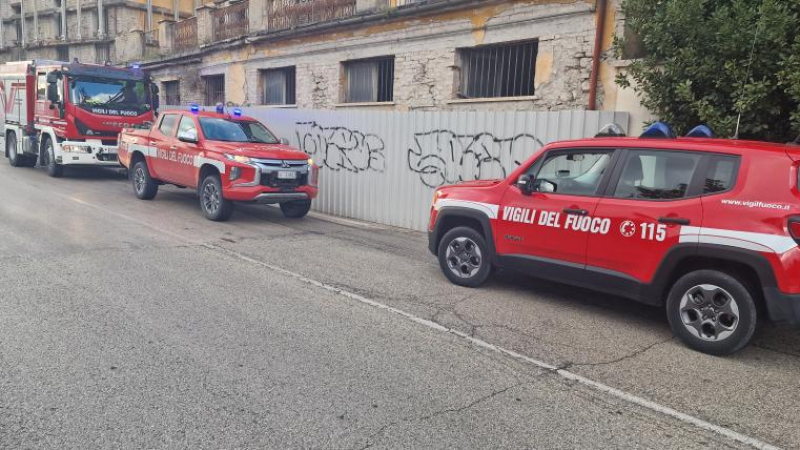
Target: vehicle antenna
[747,77]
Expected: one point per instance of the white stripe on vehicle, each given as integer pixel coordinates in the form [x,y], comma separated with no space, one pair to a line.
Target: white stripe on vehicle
[487,208]
[152,152]
[760,242]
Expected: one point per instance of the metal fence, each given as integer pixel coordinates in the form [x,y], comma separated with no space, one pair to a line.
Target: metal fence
[383,167]
[230,22]
[288,14]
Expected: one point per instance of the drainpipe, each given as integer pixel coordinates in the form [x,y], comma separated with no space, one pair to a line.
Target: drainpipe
[63,20]
[35,22]
[22,27]
[101,26]
[598,49]
[149,19]
[176,10]
[78,13]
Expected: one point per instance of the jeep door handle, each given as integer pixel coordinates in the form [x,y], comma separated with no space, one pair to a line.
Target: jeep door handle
[577,212]
[153,142]
[674,220]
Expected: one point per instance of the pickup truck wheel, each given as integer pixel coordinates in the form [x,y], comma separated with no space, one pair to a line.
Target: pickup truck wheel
[296,209]
[54,169]
[464,257]
[215,207]
[144,186]
[712,312]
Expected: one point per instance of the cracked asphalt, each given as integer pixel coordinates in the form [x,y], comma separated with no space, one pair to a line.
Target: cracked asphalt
[129,324]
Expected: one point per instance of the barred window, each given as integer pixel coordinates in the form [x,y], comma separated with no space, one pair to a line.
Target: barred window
[498,70]
[279,86]
[215,89]
[172,93]
[369,80]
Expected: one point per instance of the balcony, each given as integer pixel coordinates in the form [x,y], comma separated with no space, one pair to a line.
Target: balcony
[184,34]
[289,14]
[230,22]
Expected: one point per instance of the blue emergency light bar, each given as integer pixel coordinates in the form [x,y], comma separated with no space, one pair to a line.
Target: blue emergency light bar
[237,112]
[701,131]
[658,130]
[195,108]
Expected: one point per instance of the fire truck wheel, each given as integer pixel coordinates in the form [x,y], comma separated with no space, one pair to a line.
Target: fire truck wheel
[144,185]
[54,169]
[215,207]
[712,312]
[296,209]
[464,257]
[11,146]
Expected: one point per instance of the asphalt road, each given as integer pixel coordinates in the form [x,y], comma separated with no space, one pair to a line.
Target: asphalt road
[130,324]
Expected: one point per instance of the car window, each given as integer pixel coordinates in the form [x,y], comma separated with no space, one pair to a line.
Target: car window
[187,124]
[657,175]
[573,173]
[721,175]
[167,126]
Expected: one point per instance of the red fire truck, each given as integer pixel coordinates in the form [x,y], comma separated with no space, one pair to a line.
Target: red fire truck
[59,114]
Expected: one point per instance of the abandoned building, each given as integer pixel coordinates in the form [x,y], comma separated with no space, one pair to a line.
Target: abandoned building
[90,30]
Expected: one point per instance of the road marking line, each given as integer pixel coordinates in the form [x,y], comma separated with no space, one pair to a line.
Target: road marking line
[614,392]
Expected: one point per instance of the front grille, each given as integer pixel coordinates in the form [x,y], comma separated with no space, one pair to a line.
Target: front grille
[270,179]
[280,163]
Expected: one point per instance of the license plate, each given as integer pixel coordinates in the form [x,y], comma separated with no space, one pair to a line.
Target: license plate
[287,175]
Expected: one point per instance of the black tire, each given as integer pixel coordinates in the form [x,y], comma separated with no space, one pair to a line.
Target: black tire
[144,186]
[712,312]
[465,257]
[14,158]
[215,207]
[54,169]
[296,209]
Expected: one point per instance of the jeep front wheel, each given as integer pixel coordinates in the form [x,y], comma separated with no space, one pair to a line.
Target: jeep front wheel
[712,312]
[144,186]
[464,257]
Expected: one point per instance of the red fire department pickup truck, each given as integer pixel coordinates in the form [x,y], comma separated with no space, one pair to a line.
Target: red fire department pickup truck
[708,227]
[60,114]
[227,158]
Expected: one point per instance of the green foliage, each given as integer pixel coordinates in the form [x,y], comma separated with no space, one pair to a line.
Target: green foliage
[698,65]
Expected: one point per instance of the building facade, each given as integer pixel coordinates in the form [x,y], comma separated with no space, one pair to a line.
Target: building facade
[398,55]
[116,31]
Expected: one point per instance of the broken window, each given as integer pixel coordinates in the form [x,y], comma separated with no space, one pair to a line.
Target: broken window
[279,86]
[498,70]
[172,93]
[369,80]
[215,89]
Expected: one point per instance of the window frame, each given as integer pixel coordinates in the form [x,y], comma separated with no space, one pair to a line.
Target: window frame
[345,93]
[165,88]
[464,54]
[693,191]
[287,71]
[602,187]
[207,79]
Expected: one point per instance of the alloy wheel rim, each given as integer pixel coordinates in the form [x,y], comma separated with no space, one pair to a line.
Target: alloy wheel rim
[138,179]
[709,312]
[464,257]
[211,197]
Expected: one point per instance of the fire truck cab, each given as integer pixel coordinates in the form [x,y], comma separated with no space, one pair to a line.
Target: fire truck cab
[57,114]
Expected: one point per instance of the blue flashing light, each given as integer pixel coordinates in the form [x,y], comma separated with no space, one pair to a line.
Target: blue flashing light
[220,108]
[658,130]
[701,131]
[136,66]
[237,112]
[195,108]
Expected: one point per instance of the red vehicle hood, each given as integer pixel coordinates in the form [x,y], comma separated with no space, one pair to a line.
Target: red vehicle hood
[265,151]
[478,183]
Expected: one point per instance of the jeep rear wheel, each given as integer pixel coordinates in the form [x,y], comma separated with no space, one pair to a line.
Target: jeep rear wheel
[144,186]
[712,312]
[296,209]
[214,205]
[464,257]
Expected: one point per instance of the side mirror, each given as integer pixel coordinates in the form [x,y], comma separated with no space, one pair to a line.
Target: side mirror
[189,136]
[53,77]
[52,93]
[525,184]
[546,186]
[284,141]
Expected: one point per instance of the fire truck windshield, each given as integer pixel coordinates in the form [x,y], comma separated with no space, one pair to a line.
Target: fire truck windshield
[99,93]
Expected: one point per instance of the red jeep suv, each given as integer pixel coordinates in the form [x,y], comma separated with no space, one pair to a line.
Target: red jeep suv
[708,227]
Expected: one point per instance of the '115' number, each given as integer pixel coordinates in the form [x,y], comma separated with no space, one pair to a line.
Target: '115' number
[654,232]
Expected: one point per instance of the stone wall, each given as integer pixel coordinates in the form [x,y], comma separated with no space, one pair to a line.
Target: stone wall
[426,58]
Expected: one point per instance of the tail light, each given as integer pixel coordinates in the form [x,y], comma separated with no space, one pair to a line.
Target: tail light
[794,228]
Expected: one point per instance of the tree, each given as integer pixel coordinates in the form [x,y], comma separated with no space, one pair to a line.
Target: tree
[707,61]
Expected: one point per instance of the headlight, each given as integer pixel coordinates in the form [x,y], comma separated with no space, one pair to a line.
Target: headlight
[70,148]
[238,158]
[310,162]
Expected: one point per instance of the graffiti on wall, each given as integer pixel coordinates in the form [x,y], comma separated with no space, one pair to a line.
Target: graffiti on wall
[443,157]
[341,148]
